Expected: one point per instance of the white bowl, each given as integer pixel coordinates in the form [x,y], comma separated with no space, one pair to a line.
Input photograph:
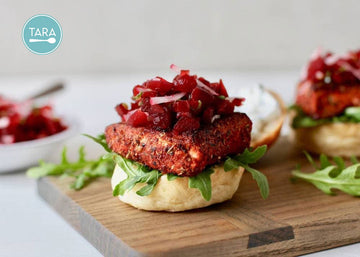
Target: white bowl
[21,155]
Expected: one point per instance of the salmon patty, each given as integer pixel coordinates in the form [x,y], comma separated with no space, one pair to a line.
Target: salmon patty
[185,154]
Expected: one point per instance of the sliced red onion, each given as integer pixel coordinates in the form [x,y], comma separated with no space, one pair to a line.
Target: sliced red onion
[319,75]
[166,99]
[24,108]
[346,66]
[175,68]
[4,122]
[206,88]
[7,139]
[215,117]
[232,99]
[127,116]
[145,89]
[331,60]
[317,53]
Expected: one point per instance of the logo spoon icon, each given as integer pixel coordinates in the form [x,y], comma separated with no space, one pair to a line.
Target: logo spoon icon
[51,40]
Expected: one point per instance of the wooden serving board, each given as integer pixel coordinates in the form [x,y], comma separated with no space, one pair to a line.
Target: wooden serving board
[295,219]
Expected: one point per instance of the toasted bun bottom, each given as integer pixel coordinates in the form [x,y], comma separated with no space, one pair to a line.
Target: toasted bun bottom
[176,195]
[333,139]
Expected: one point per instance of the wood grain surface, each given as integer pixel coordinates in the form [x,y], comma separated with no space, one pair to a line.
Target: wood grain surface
[295,219]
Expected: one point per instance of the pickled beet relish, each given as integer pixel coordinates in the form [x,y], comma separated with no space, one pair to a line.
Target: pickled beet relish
[327,68]
[185,104]
[19,121]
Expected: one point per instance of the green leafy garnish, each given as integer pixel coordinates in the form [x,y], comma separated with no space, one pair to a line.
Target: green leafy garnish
[202,181]
[82,170]
[353,112]
[100,139]
[301,120]
[171,177]
[246,158]
[333,175]
[136,173]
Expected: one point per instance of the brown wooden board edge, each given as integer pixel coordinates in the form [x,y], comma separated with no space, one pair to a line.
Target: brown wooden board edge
[79,219]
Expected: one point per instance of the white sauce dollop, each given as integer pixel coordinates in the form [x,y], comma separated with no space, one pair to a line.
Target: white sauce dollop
[260,106]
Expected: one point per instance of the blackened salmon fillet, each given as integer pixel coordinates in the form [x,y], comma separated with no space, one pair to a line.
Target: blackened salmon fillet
[326,101]
[185,154]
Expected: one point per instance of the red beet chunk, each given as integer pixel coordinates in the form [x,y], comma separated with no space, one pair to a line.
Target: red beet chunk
[184,83]
[316,65]
[186,123]
[206,82]
[122,110]
[182,106]
[205,97]
[196,106]
[159,85]
[160,116]
[237,101]
[207,115]
[137,90]
[225,107]
[138,119]
[222,89]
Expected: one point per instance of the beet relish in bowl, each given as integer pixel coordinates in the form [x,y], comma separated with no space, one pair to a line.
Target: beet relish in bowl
[30,133]
[185,104]
[21,121]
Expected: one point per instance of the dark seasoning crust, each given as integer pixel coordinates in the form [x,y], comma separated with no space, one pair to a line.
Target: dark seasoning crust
[186,154]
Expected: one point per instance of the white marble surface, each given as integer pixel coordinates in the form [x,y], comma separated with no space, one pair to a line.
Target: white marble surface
[28,226]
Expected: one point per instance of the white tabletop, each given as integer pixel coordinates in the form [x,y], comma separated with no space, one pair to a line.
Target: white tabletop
[28,226]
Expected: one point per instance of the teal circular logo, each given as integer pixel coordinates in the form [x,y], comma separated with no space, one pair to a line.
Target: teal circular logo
[42,34]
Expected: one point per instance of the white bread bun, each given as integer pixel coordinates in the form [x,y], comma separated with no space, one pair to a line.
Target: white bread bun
[175,195]
[332,139]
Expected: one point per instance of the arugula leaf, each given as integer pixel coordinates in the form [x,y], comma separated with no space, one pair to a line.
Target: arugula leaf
[171,177]
[136,173]
[82,170]
[333,176]
[100,139]
[261,181]
[353,112]
[202,181]
[324,161]
[246,158]
[249,157]
[301,120]
[230,164]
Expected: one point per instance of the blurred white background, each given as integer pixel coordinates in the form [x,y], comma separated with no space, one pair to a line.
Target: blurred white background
[124,36]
